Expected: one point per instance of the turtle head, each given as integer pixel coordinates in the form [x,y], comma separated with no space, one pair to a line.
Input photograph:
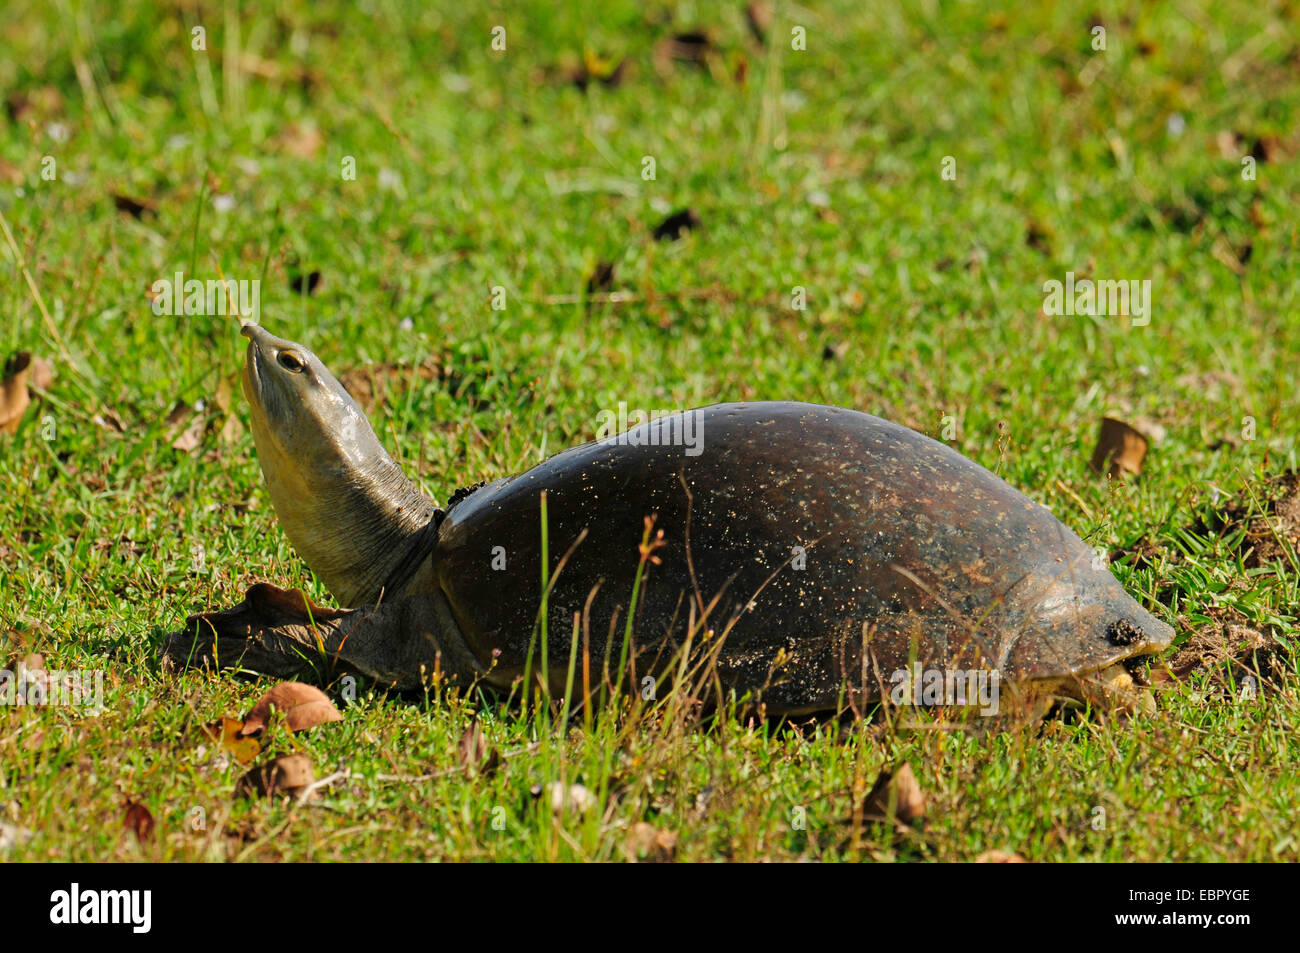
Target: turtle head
[346,506]
[301,412]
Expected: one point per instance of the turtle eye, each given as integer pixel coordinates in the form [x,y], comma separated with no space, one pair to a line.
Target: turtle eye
[290,361]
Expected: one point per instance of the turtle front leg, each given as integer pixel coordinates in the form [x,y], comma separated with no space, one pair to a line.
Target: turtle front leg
[278,632]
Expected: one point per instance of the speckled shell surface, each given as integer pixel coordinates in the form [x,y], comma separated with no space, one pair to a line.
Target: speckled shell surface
[857,546]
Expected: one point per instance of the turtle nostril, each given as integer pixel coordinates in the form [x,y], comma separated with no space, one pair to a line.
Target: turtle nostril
[1123,632]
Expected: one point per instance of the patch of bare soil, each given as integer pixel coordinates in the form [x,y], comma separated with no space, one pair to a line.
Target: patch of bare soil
[1271,518]
[1263,521]
[1269,513]
[1229,648]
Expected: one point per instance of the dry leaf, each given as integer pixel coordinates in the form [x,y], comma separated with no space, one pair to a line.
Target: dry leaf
[138,820]
[595,68]
[476,755]
[566,798]
[694,47]
[301,140]
[40,373]
[287,774]
[41,102]
[190,437]
[601,277]
[11,836]
[232,429]
[676,225]
[895,794]
[1120,449]
[224,396]
[1000,857]
[305,283]
[303,706]
[1038,236]
[109,420]
[226,733]
[759,17]
[177,414]
[14,397]
[136,208]
[646,842]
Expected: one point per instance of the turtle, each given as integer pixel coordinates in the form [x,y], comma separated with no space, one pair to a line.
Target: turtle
[809,558]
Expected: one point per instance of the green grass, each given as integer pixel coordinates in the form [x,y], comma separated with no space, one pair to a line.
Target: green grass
[818,169]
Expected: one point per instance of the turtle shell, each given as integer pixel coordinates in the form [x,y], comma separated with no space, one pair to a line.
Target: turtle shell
[826,548]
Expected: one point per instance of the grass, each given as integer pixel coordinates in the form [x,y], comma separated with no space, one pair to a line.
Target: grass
[478,169]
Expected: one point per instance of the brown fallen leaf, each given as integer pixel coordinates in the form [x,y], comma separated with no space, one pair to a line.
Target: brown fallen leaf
[476,755]
[305,283]
[601,277]
[12,836]
[40,374]
[179,412]
[242,749]
[677,224]
[301,139]
[287,774]
[595,68]
[1038,236]
[109,420]
[569,798]
[758,14]
[232,428]
[1120,449]
[303,706]
[190,438]
[896,794]
[1000,857]
[226,733]
[14,396]
[136,208]
[693,47]
[39,103]
[138,820]
[646,842]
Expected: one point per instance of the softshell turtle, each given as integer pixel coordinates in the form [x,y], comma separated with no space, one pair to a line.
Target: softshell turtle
[818,557]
